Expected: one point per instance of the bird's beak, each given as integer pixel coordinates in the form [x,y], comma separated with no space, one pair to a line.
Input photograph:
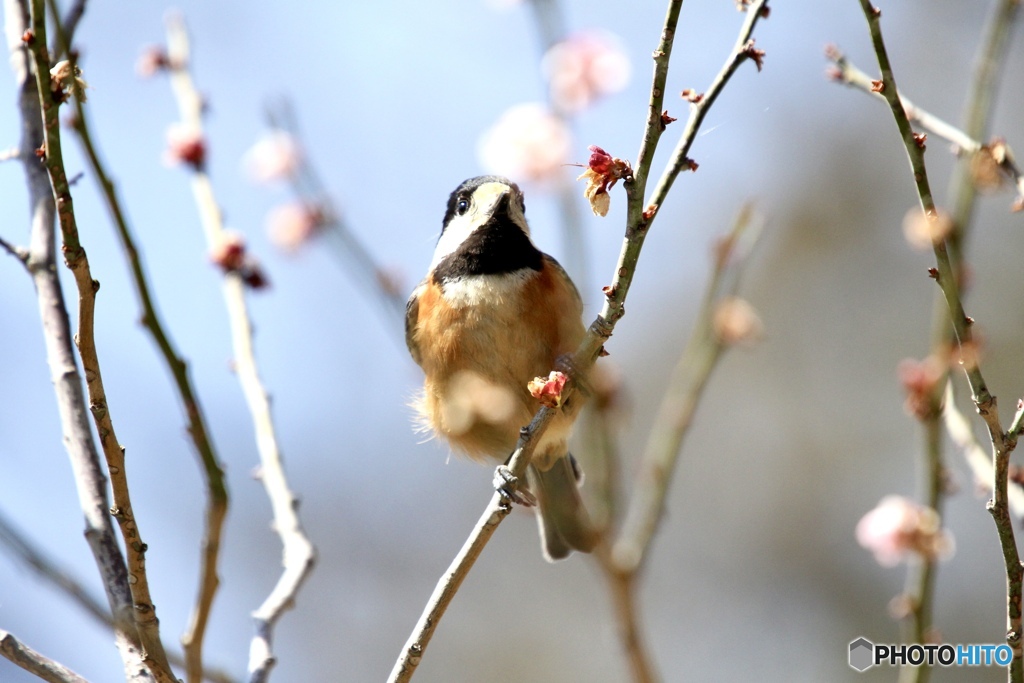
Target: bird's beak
[497,202]
[493,198]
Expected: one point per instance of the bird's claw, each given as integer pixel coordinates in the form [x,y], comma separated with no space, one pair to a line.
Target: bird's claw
[508,487]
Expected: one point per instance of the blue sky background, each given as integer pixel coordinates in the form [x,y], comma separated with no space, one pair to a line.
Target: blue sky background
[755,572]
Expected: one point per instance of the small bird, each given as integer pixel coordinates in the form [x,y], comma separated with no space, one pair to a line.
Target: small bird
[493,313]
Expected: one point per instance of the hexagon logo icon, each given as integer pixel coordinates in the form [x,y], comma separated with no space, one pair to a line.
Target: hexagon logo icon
[862,653]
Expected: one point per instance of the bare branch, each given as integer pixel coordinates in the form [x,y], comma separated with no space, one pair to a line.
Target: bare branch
[686,387]
[984,401]
[485,527]
[849,74]
[89,477]
[963,188]
[299,553]
[76,260]
[35,663]
[213,473]
[20,253]
[61,578]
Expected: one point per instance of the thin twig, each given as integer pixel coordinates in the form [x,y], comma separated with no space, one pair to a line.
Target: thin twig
[742,51]
[451,580]
[849,74]
[18,252]
[299,554]
[89,476]
[964,190]
[35,663]
[65,28]
[213,473]
[61,578]
[77,262]
[217,498]
[621,558]
[593,343]
[980,461]
[984,401]
[920,577]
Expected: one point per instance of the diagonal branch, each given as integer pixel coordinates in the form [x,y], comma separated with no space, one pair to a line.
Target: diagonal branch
[638,222]
[61,578]
[299,554]
[621,559]
[35,663]
[963,189]
[848,74]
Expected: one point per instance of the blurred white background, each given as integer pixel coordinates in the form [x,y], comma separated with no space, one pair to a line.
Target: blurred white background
[755,573]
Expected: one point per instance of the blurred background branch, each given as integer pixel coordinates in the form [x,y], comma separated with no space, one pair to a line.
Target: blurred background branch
[283,155]
[61,578]
[32,661]
[299,555]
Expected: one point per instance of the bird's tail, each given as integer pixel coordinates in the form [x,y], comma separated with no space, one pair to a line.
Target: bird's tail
[563,520]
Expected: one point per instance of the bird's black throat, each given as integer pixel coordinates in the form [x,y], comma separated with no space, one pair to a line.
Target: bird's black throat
[499,246]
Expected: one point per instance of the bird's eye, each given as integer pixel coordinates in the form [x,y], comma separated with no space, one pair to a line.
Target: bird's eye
[462,206]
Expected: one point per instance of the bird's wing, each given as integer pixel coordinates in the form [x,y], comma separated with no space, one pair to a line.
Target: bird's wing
[412,314]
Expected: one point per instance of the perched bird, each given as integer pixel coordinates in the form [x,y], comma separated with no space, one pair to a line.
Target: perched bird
[493,313]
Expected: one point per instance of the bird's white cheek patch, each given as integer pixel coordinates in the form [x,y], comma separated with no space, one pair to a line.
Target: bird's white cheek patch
[455,234]
[474,290]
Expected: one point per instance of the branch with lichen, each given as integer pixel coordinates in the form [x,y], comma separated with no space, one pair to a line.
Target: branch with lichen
[33,662]
[127,590]
[213,473]
[592,346]
[298,553]
[1002,442]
